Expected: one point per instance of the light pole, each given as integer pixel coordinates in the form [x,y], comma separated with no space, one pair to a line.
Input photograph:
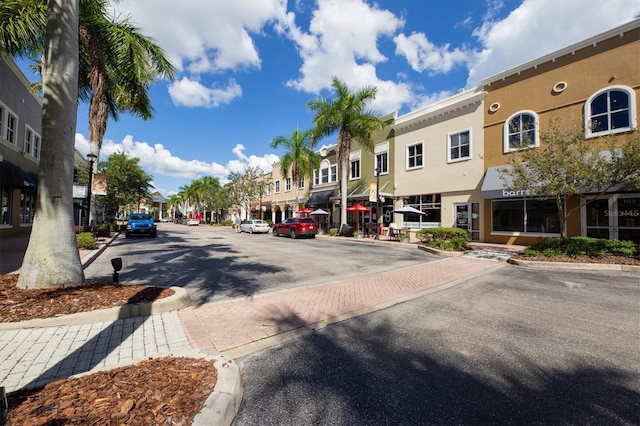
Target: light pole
[92,158]
[377,203]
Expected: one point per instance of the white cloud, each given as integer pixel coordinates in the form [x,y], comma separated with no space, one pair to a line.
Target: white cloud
[537,28]
[158,161]
[334,46]
[190,93]
[423,55]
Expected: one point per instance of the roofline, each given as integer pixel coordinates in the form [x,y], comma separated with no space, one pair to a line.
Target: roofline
[448,105]
[592,41]
[18,72]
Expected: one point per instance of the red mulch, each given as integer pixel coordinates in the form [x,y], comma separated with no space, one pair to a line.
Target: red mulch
[154,392]
[606,259]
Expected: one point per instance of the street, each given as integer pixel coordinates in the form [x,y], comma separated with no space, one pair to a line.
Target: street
[215,263]
[504,348]
[510,346]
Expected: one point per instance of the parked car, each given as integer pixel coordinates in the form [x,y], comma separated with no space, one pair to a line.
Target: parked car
[255,225]
[296,227]
[141,224]
[193,222]
[166,219]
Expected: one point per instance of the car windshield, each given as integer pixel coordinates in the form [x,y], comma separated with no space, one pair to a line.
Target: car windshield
[140,217]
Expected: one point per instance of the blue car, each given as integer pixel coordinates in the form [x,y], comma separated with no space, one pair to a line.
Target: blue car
[141,224]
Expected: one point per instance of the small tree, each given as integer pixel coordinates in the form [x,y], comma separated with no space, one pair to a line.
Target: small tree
[244,188]
[568,164]
[128,183]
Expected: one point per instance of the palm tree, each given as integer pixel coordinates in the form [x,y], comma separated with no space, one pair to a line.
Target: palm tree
[300,158]
[114,67]
[52,259]
[347,115]
[174,202]
[117,62]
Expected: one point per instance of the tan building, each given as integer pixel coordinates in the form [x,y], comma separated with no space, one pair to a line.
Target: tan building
[283,195]
[593,85]
[439,164]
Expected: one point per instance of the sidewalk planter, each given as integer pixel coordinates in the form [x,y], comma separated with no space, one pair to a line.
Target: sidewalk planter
[405,238]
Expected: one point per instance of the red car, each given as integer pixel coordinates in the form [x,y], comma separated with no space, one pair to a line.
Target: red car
[296,227]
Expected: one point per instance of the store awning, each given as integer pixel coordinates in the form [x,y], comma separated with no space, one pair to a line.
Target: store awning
[494,187]
[12,175]
[318,199]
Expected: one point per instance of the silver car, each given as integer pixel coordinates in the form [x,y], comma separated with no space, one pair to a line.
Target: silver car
[255,226]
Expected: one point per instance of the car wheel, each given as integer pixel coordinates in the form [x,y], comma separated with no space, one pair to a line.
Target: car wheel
[154,234]
[251,230]
[275,232]
[127,235]
[294,235]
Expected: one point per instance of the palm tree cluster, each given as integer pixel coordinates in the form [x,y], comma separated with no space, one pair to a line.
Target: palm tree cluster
[203,195]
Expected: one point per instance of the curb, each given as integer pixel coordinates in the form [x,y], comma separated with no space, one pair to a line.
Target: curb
[89,258]
[569,265]
[441,252]
[179,300]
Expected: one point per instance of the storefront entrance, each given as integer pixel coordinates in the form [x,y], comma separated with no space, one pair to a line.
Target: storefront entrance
[615,217]
[467,216]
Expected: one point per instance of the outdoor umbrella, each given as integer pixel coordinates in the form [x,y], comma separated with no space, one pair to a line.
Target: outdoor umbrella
[408,209]
[304,211]
[358,208]
[320,213]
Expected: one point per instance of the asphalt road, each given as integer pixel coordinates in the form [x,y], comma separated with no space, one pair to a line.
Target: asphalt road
[215,263]
[509,347]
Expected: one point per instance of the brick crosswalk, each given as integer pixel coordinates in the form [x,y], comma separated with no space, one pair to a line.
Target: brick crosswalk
[230,324]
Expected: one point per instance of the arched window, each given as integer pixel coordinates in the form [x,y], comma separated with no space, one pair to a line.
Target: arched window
[610,111]
[521,131]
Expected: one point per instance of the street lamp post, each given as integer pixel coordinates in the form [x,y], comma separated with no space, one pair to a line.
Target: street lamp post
[92,158]
[377,203]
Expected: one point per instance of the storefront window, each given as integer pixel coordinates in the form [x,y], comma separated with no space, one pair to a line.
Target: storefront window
[525,215]
[6,206]
[27,206]
[429,204]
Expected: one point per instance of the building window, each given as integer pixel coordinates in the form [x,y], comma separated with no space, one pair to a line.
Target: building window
[610,111]
[1,121]
[414,156]
[11,128]
[521,131]
[382,157]
[355,169]
[6,206]
[36,146]
[27,206]
[429,204]
[301,183]
[287,184]
[326,174]
[530,215]
[277,187]
[268,189]
[459,146]
[28,135]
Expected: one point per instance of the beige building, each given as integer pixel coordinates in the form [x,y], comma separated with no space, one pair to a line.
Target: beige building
[439,164]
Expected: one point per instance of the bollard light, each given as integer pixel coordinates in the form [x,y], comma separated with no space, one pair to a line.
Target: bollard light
[117,266]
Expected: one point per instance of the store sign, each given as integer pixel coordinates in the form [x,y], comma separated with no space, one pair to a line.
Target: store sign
[519,193]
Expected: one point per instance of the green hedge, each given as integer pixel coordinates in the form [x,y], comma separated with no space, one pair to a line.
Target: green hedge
[582,246]
[450,239]
[226,222]
[86,241]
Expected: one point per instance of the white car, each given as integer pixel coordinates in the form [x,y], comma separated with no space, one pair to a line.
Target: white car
[193,222]
[255,226]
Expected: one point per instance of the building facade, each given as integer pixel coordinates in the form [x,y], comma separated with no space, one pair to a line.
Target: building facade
[593,85]
[20,146]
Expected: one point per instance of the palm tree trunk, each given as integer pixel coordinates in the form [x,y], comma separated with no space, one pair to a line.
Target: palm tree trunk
[52,259]
[343,190]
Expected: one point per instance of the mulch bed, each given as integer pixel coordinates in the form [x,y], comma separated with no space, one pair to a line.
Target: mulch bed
[20,305]
[605,259]
[161,391]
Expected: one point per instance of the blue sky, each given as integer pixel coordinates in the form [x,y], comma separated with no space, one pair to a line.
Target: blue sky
[247,68]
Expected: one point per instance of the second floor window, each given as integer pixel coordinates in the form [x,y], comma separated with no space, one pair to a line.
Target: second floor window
[355,169]
[460,146]
[36,146]
[521,131]
[301,183]
[328,173]
[11,128]
[382,162]
[610,111]
[27,140]
[277,187]
[287,184]
[414,156]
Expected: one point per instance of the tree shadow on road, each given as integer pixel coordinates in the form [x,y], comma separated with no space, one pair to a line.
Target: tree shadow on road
[359,372]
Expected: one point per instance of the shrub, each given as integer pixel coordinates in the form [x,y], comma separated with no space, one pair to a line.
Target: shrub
[333,232]
[583,246]
[104,230]
[86,241]
[226,222]
[449,239]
